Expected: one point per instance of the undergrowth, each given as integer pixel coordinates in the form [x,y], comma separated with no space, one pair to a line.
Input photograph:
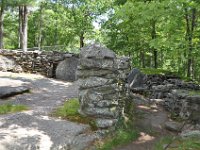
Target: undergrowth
[70,112]
[191,93]
[178,144]
[124,134]
[10,108]
[152,71]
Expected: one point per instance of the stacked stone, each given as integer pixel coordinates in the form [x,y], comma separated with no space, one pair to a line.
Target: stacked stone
[43,62]
[185,104]
[102,77]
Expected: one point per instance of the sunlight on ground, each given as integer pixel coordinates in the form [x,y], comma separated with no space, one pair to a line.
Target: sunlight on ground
[144,137]
[152,108]
[61,82]
[15,134]
[11,83]
[144,107]
[21,75]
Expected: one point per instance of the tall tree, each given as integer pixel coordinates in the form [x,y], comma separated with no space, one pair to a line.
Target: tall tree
[23,20]
[1,23]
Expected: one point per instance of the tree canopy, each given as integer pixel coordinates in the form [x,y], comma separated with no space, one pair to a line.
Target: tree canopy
[154,33]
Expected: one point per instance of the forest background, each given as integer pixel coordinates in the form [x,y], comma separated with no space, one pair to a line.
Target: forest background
[160,34]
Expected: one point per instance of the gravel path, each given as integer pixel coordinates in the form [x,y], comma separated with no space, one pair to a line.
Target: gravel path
[34,129]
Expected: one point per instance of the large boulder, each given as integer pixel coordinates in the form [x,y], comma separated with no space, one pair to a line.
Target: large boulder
[136,79]
[66,69]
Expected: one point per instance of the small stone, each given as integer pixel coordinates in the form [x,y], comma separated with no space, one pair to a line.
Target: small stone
[107,103]
[105,123]
[95,82]
[194,99]
[173,126]
[189,134]
[101,112]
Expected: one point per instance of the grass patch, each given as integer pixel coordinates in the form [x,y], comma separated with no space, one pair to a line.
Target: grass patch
[9,108]
[123,135]
[191,93]
[70,112]
[163,142]
[153,71]
[178,144]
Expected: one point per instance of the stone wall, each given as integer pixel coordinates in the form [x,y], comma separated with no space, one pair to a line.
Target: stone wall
[180,98]
[44,62]
[102,82]
[184,104]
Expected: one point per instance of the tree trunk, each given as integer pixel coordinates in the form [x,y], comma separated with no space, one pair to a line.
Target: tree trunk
[153,36]
[20,34]
[25,28]
[1,24]
[81,39]
[142,59]
[189,37]
[40,27]
[56,29]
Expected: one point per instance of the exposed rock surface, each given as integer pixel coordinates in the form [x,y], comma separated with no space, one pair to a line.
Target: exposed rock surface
[191,134]
[9,87]
[35,129]
[102,76]
[7,91]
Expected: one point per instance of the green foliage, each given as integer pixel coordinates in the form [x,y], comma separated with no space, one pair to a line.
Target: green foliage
[122,136]
[194,92]
[9,108]
[152,71]
[179,143]
[70,108]
[166,31]
[130,31]
[70,112]
[163,142]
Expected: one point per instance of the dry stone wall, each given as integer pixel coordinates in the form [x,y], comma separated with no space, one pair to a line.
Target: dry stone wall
[43,62]
[102,85]
[184,104]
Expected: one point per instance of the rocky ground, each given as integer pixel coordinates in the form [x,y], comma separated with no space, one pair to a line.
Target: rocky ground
[35,129]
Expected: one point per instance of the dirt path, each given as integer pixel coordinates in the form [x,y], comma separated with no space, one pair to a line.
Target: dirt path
[34,129]
[150,120]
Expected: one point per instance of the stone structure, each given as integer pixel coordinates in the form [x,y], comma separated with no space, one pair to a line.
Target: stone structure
[136,80]
[184,104]
[102,77]
[43,62]
[8,63]
[181,98]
